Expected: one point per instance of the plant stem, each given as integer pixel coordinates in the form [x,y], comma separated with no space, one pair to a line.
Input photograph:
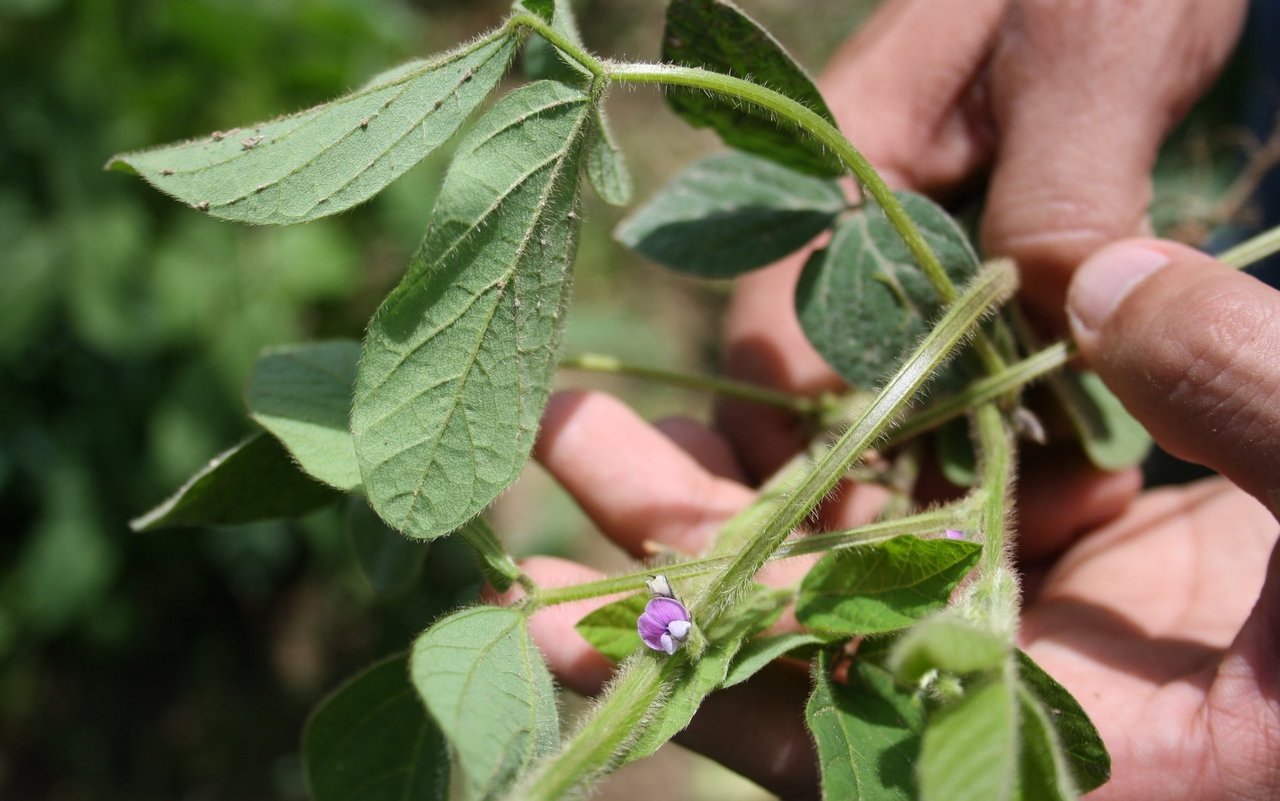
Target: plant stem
[816,126]
[993,285]
[995,595]
[826,133]
[570,48]
[499,568]
[984,390]
[600,363]
[920,524]
[1252,250]
[615,721]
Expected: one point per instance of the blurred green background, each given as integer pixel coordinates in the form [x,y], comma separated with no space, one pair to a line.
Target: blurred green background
[182,664]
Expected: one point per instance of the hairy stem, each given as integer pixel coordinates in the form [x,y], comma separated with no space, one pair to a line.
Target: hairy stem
[599,363]
[992,286]
[606,732]
[921,524]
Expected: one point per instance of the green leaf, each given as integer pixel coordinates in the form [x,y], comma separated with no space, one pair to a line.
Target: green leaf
[458,360]
[483,681]
[867,732]
[883,587]
[956,455]
[331,157]
[948,643]
[707,674]
[716,35]
[389,560]
[611,629]
[371,740]
[1088,759]
[255,480]
[731,213]
[606,168]
[863,302]
[1044,773]
[969,751]
[1111,437]
[302,395]
[758,653]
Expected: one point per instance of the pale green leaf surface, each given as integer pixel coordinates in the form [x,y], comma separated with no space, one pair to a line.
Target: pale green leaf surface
[969,751]
[758,653]
[730,213]
[948,643]
[389,561]
[611,629]
[458,360]
[863,302]
[716,35]
[255,480]
[484,682]
[606,168]
[867,732]
[302,395]
[707,674]
[331,157]
[883,587]
[1044,773]
[1089,762]
[371,740]
[1111,437]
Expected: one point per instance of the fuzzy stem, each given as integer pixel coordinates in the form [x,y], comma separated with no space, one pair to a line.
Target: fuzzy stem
[921,524]
[605,733]
[599,363]
[992,286]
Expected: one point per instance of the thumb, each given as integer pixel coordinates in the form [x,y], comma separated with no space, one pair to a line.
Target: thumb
[1081,95]
[1192,349]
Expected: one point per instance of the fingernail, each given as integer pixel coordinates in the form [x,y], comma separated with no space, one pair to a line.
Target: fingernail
[1106,278]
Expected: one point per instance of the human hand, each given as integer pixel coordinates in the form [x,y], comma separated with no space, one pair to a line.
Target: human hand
[1063,103]
[1159,622]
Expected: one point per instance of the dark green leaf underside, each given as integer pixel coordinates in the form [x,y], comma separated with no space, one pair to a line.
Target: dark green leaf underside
[458,361]
[883,587]
[867,732]
[731,213]
[302,395]
[863,301]
[371,740]
[1087,756]
[331,157]
[716,35]
[255,480]
[484,682]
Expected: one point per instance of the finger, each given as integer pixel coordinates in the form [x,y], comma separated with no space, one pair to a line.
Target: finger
[1081,97]
[636,484]
[1245,697]
[1061,496]
[1191,347]
[707,447]
[573,660]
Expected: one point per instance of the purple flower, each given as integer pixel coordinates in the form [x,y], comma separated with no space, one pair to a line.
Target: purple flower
[952,534]
[664,625]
